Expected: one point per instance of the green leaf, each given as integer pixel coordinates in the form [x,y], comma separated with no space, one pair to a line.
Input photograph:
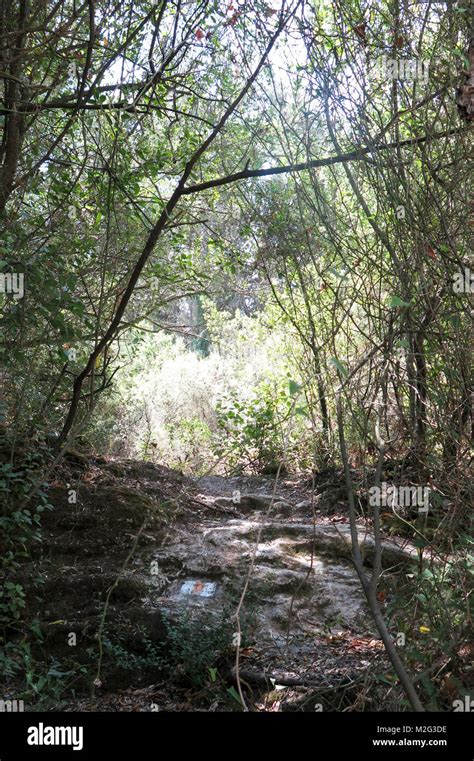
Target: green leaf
[339,366]
[302,411]
[57,673]
[213,674]
[294,387]
[396,301]
[234,694]
[390,679]
[36,629]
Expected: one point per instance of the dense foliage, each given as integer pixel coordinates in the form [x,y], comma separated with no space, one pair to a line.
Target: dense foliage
[167,295]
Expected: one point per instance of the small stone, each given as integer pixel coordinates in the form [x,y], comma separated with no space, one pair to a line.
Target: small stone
[306,503]
[282,507]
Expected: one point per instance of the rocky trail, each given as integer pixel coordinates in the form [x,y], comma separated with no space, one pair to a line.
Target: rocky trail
[301,577]
[306,636]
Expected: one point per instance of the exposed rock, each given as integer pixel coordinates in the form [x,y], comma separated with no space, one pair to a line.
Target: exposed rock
[302,577]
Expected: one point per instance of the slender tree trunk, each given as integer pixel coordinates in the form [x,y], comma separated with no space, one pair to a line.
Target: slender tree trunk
[370,587]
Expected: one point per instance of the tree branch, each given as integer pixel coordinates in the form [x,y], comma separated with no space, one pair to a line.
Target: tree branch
[355,155]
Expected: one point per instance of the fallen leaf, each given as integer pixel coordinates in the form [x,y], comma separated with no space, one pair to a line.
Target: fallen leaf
[376,643]
[364,643]
[449,686]
[360,31]
[466,651]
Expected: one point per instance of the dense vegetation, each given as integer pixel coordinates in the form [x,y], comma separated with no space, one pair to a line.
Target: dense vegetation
[236,238]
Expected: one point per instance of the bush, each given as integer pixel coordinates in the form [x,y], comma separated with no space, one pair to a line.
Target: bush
[439,628]
[165,405]
[265,430]
[20,525]
[252,430]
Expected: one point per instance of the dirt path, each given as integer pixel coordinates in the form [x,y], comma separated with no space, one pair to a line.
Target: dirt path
[304,621]
[304,611]
[297,584]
